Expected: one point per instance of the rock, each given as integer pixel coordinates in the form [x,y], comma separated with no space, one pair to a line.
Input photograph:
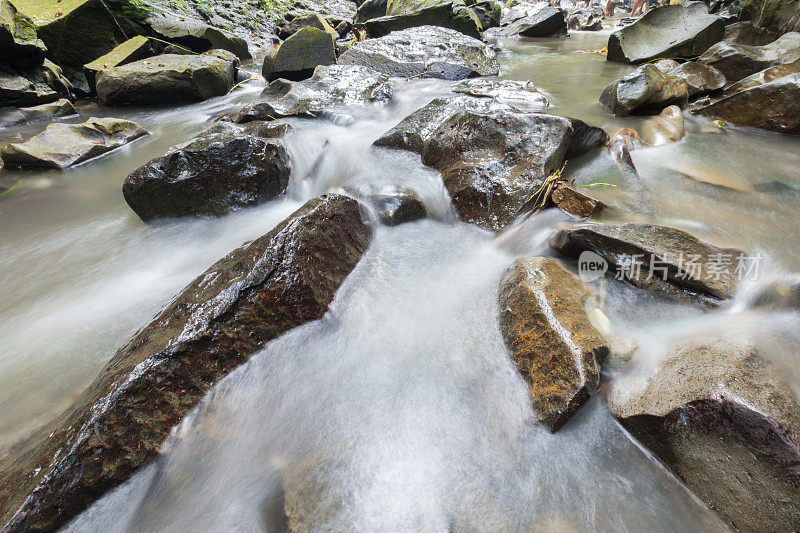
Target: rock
[544,322]
[547,22]
[666,32]
[643,90]
[447,15]
[521,95]
[330,86]
[312,20]
[64,145]
[279,281]
[488,13]
[18,40]
[32,86]
[737,61]
[586,19]
[168,78]
[760,78]
[370,9]
[133,49]
[574,202]
[747,33]
[702,79]
[681,263]
[521,10]
[300,54]
[58,109]
[224,169]
[726,423]
[668,127]
[198,37]
[773,106]
[425,51]
[396,209]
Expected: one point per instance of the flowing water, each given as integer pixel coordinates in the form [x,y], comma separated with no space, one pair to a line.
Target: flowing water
[400,409]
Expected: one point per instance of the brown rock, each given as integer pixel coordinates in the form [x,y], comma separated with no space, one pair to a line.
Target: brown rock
[544,322]
[574,202]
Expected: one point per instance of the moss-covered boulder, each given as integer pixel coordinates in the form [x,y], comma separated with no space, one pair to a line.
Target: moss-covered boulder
[63,145]
[198,37]
[31,86]
[131,50]
[300,54]
[18,40]
[168,79]
[312,20]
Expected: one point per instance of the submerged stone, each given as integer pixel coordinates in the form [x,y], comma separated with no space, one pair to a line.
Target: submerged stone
[668,127]
[396,209]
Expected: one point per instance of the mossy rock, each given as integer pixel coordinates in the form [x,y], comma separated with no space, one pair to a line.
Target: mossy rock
[300,54]
[131,50]
[18,39]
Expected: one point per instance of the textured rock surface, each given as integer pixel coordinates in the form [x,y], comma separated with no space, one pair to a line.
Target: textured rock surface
[681,262]
[198,37]
[521,95]
[574,202]
[133,49]
[425,51]
[544,322]
[227,167]
[760,78]
[168,78]
[666,32]
[297,23]
[586,19]
[737,61]
[277,282]
[701,78]
[18,40]
[644,90]
[396,209]
[58,109]
[546,22]
[300,54]
[63,145]
[32,86]
[726,423]
[446,15]
[747,33]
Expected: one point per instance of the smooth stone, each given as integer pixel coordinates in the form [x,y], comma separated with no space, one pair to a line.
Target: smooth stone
[446,15]
[643,90]
[668,127]
[737,61]
[300,54]
[133,49]
[198,37]
[58,109]
[547,22]
[396,209]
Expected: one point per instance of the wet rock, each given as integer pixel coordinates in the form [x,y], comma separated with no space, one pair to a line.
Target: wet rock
[32,86]
[370,9]
[643,90]
[547,22]
[666,32]
[330,86]
[544,322]
[488,13]
[425,51]
[133,49]
[19,43]
[668,127]
[446,15]
[747,33]
[701,79]
[586,19]
[300,54]
[58,109]
[574,202]
[521,10]
[737,61]
[681,263]
[313,20]
[396,209]
[224,169]
[198,37]
[773,106]
[521,95]
[726,423]
[168,78]
[279,281]
[760,78]
[64,145]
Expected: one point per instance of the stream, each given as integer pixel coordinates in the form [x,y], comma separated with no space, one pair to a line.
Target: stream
[402,401]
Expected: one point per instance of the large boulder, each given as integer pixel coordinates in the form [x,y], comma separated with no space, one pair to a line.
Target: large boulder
[311,20]
[746,32]
[330,87]
[58,109]
[545,325]
[168,78]
[547,22]
[18,40]
[760,78]
[227,167]
[198,37]
[520,10]
[425,51]
[773,106]
[737,61]
[586,19]
[657,258]
[724,420]
[279,281]
[370,9]
[521,95]
[300,54]
[40,84]
[672,31]
[447,15]
[701,78]
[644,90]
[63,145]
[133,49]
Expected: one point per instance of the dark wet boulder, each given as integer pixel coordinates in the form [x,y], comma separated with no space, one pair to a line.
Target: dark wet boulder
[545,325]
[396,209]
[773,106]
[672,31]
[133,49]
[64,145]
[311,20]
[198,37]
[760,78]
[667,127]
[644,90]
[488,12]
[547,22]
[446,15]
[226,168]
[300,54]
[425,51]
[585,19]
[58,109]
[19,43]
[32,86]
[275,283]
[370,9]
[724,420]
[168,79]
[737,61]
[521,95]
[329,88]
[747,33]
[682,265]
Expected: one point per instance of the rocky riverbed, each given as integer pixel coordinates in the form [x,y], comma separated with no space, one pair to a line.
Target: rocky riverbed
[405,264]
